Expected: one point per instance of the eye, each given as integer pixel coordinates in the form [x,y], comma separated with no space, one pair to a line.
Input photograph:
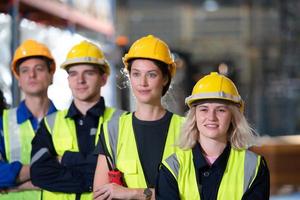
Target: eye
[40,68]
[23,70]
[72,74]
[202,109]
[222,109]
[152,75]
[90,72]
[135,74]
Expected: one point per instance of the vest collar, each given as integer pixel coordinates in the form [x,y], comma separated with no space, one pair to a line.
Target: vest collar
[201,163]
[23,113]
[97,110]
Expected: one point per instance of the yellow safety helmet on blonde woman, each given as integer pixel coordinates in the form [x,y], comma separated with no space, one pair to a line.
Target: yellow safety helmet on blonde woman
[152,48]
[215,86]
[86,53]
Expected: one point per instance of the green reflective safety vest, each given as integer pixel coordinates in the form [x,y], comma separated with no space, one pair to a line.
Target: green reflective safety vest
[121,144]
[63,131]
[240,172]
[17,139]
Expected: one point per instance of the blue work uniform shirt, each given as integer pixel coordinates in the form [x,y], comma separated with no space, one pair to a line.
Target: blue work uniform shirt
[9,171]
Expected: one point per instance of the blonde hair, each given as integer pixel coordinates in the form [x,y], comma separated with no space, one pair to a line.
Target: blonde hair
[240,134]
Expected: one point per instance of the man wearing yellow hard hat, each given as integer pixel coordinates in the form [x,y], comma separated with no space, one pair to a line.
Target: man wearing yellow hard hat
[33,67]
[214,161]
[63,163]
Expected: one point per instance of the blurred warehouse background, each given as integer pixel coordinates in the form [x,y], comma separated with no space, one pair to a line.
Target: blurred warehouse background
[255,43]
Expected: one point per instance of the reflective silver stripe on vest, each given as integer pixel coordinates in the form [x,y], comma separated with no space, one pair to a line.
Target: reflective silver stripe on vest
[113,132]
[38,155]
[14,135]
[50,121]
[249,168]
[173,164]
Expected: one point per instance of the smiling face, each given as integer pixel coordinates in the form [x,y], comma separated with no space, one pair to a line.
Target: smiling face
[147,81]
[213,121]
[34,77]
[85,82]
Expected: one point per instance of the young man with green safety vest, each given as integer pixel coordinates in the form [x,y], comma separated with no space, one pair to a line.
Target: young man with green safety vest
[63,163]
[33,67]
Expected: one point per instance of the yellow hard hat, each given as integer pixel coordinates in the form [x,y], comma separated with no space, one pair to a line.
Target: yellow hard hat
[30,48]
[153,48]
[215,86]
[86,52]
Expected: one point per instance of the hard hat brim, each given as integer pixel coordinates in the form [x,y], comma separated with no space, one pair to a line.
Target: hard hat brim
[86,60]
[190,101]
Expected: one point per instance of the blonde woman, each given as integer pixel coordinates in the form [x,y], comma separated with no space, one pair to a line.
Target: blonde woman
[214,162]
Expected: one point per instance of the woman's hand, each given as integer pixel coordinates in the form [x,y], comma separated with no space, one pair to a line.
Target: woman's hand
[112,191]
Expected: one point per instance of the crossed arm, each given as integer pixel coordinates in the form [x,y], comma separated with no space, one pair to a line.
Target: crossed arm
[105,190]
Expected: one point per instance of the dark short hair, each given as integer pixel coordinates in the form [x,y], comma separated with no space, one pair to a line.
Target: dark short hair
[100,68]
[48,61]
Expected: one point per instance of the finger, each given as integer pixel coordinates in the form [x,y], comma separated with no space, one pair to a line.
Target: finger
[105,196]
[99,192]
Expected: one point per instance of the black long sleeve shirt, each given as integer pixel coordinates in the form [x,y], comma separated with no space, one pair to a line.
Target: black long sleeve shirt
[75,173]
[210,178]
